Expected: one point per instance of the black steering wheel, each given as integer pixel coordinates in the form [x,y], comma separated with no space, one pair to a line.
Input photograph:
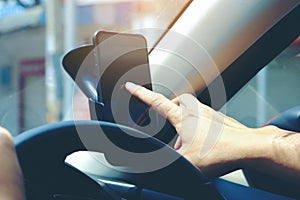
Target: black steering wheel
[42,152]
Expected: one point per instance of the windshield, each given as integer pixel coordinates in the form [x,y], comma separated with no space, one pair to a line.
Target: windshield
[34,37]
[270,92]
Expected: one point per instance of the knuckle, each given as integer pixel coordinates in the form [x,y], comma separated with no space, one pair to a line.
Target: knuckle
[186,95]
[187,98]
[157,99]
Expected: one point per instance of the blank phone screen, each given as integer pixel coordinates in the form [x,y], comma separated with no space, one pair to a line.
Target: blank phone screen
[122,58]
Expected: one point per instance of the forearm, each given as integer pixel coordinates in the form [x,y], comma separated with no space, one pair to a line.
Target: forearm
[275,152]
[269,150]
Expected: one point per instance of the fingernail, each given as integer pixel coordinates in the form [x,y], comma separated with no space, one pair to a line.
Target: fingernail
[131,87]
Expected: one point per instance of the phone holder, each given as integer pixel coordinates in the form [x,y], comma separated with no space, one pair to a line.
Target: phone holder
[86,80]
[79,63]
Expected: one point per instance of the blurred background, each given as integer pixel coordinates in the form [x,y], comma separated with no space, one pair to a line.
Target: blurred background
[35,34]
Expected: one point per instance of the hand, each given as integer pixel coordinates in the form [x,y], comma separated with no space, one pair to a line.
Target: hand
[213,142]
[11,178]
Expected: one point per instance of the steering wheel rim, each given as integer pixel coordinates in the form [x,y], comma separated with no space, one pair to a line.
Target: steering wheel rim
[38,153]
[42,151]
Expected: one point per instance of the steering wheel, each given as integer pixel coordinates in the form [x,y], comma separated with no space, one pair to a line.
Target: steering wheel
[42,152]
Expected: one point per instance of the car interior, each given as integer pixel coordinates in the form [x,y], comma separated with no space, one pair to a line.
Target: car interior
[232,55]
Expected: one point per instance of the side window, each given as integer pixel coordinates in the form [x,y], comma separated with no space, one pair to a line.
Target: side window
[273,90]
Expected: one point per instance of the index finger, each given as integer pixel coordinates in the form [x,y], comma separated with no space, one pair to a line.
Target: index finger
[157,101]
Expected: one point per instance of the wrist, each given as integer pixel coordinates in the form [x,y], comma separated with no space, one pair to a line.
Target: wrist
[259,146]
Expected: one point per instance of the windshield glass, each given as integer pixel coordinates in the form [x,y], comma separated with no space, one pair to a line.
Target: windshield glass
[272,91]
[34,37]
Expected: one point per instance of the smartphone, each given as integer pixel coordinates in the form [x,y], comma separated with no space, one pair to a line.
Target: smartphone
[121,57]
